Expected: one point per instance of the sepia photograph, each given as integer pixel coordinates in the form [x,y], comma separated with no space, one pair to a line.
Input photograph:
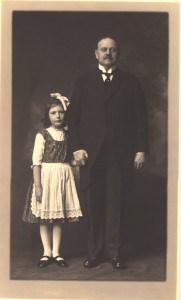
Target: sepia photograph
[93,178]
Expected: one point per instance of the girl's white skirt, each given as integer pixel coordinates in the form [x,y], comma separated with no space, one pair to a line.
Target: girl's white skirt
[59,195]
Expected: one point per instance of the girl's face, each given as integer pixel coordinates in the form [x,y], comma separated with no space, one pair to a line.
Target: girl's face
[56,116]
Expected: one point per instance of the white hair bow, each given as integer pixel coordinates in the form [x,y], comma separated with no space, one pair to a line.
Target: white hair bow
[65,102]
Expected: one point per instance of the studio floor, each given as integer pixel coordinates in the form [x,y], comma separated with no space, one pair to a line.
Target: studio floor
[145,248]
[149,267]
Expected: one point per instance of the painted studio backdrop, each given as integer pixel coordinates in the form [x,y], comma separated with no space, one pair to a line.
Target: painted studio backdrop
[50,51]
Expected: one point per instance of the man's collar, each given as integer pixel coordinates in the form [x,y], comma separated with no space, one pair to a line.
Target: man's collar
[104,70]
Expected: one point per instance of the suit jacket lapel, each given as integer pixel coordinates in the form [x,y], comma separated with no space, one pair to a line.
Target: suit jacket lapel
[98,78]
[98,84]
[117,81]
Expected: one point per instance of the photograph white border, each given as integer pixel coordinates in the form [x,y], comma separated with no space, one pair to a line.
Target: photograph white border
[80,289]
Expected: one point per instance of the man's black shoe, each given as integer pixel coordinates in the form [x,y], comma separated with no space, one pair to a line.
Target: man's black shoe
[91,262]
[117,263]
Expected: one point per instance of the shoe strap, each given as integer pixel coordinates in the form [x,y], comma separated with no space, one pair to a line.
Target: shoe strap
[58,256]
[45,256]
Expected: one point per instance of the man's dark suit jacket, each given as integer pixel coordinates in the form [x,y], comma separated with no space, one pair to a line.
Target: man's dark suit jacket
[119,115]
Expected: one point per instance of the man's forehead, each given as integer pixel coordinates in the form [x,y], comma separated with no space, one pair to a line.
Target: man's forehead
[107,42]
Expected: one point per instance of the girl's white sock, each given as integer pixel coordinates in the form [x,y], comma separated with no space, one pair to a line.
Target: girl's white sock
[57,235]
[45,233]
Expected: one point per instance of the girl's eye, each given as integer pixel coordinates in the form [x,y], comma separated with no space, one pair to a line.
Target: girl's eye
[59,112]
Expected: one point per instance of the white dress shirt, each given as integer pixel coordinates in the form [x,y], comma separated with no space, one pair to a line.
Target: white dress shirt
[104,77]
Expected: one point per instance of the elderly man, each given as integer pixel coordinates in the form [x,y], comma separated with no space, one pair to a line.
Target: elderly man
[108,134]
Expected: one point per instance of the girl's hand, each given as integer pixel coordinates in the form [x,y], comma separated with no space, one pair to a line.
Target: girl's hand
[80,157]
[38,193]
[74,163]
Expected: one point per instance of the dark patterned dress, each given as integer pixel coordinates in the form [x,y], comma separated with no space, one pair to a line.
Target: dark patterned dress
[60,202]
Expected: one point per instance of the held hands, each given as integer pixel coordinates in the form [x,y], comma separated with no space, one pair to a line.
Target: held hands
[80,157]
[38,193]
[139,160]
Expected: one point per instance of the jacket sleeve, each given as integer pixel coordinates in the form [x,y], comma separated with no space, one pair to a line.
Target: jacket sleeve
[74,117]
[141,119]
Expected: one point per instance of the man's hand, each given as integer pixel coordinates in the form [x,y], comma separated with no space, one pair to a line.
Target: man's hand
[139,160]
[80,157]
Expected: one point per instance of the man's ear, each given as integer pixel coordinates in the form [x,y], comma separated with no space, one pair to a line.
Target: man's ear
[96,54]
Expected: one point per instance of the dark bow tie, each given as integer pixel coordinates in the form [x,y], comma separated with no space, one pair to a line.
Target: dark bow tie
[108,75]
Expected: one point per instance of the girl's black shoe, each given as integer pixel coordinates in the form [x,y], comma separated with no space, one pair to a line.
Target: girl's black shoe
[44,262]
[60,262]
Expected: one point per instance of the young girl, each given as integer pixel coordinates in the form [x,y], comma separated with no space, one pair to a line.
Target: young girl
[52,197]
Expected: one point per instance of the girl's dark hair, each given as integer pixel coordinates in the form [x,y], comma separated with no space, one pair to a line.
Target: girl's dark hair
[51,103]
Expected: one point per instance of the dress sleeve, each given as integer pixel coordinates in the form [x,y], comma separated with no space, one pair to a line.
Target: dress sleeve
[38,150]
